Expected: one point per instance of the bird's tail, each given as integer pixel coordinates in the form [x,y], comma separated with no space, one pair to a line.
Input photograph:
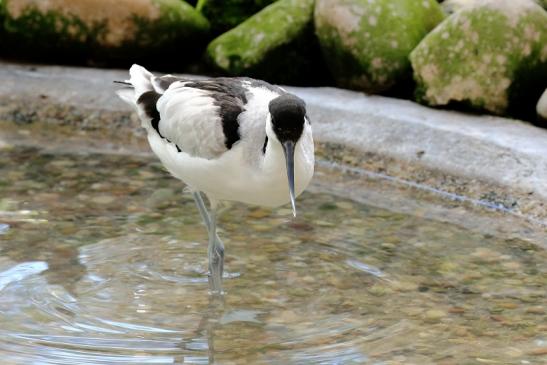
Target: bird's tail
[140,82]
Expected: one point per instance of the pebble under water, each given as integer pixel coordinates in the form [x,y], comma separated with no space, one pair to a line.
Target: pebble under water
[103,261]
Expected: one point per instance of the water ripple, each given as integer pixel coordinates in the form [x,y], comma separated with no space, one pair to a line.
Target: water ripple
[20,272]
[361,266]
[4,228]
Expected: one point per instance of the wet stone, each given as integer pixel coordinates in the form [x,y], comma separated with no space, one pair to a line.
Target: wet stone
[345,205]
[324,223]
[405,286]
[259,213]
[536,310]
[434,315]
[101,199]
[161,198]
[486,255]
[538,352]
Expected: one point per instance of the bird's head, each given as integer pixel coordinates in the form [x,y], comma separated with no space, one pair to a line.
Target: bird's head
[288,117]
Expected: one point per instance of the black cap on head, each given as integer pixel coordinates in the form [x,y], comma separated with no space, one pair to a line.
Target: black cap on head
[288,112]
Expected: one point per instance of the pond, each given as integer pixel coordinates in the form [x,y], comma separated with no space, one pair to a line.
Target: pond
[103,261]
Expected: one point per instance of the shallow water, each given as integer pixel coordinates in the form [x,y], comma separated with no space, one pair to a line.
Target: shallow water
[103,260]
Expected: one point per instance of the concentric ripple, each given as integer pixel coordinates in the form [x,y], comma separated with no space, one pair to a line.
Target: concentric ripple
[103,261]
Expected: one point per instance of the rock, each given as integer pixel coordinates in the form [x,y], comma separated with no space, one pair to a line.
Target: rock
[540,351]
[536,310]
[451,6]
[103,199]
[491,55]
[226,14]
[161,198]
[487,255]
[434,315]
[101,29]
[277,44]
[366,43]
[541,107]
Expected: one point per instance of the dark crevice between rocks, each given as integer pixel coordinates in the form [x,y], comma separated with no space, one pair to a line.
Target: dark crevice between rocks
[524,93]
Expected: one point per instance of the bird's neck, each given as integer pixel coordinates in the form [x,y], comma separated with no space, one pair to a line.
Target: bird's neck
[274,158]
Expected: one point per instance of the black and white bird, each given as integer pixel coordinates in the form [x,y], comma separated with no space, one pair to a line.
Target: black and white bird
[236,139]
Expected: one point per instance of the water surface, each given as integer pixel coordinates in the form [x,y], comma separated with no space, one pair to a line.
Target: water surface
[103,261]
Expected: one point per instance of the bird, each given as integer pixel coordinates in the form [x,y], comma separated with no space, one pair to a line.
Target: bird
[229,138]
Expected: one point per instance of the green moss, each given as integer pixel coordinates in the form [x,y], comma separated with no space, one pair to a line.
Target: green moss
[482,59]
[366,44]
[226,14]
[276,44]
[178,24]
[180,19]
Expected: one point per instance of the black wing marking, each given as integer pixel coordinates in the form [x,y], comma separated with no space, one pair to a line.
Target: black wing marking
[265,145]
[149,102]
[165,81]
[230,96]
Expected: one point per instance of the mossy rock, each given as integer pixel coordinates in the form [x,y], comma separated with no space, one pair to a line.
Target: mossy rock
[227,14]
[491,56]
[541,109]
[277,44]
[366,43]
[451,6]
[102,29]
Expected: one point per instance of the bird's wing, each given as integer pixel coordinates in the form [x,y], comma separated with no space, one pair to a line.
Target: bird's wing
[199,117]
[162,83]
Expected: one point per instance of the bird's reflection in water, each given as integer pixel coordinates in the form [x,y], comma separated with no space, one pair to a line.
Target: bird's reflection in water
[210,322]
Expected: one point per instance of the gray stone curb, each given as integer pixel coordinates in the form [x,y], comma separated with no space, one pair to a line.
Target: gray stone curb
[502,151]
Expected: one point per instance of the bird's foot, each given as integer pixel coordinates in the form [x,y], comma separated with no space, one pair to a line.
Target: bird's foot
[216,269]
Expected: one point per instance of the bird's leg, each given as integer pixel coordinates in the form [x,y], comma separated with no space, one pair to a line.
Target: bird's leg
[215,252]
[202,210]
[215,248]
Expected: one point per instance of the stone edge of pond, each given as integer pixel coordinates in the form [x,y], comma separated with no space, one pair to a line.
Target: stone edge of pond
[494,161]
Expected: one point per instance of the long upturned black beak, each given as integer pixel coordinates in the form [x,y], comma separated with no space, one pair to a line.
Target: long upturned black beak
[288,148]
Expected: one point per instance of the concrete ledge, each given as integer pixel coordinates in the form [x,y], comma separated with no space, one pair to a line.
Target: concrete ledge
[498,161]
[498,150]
